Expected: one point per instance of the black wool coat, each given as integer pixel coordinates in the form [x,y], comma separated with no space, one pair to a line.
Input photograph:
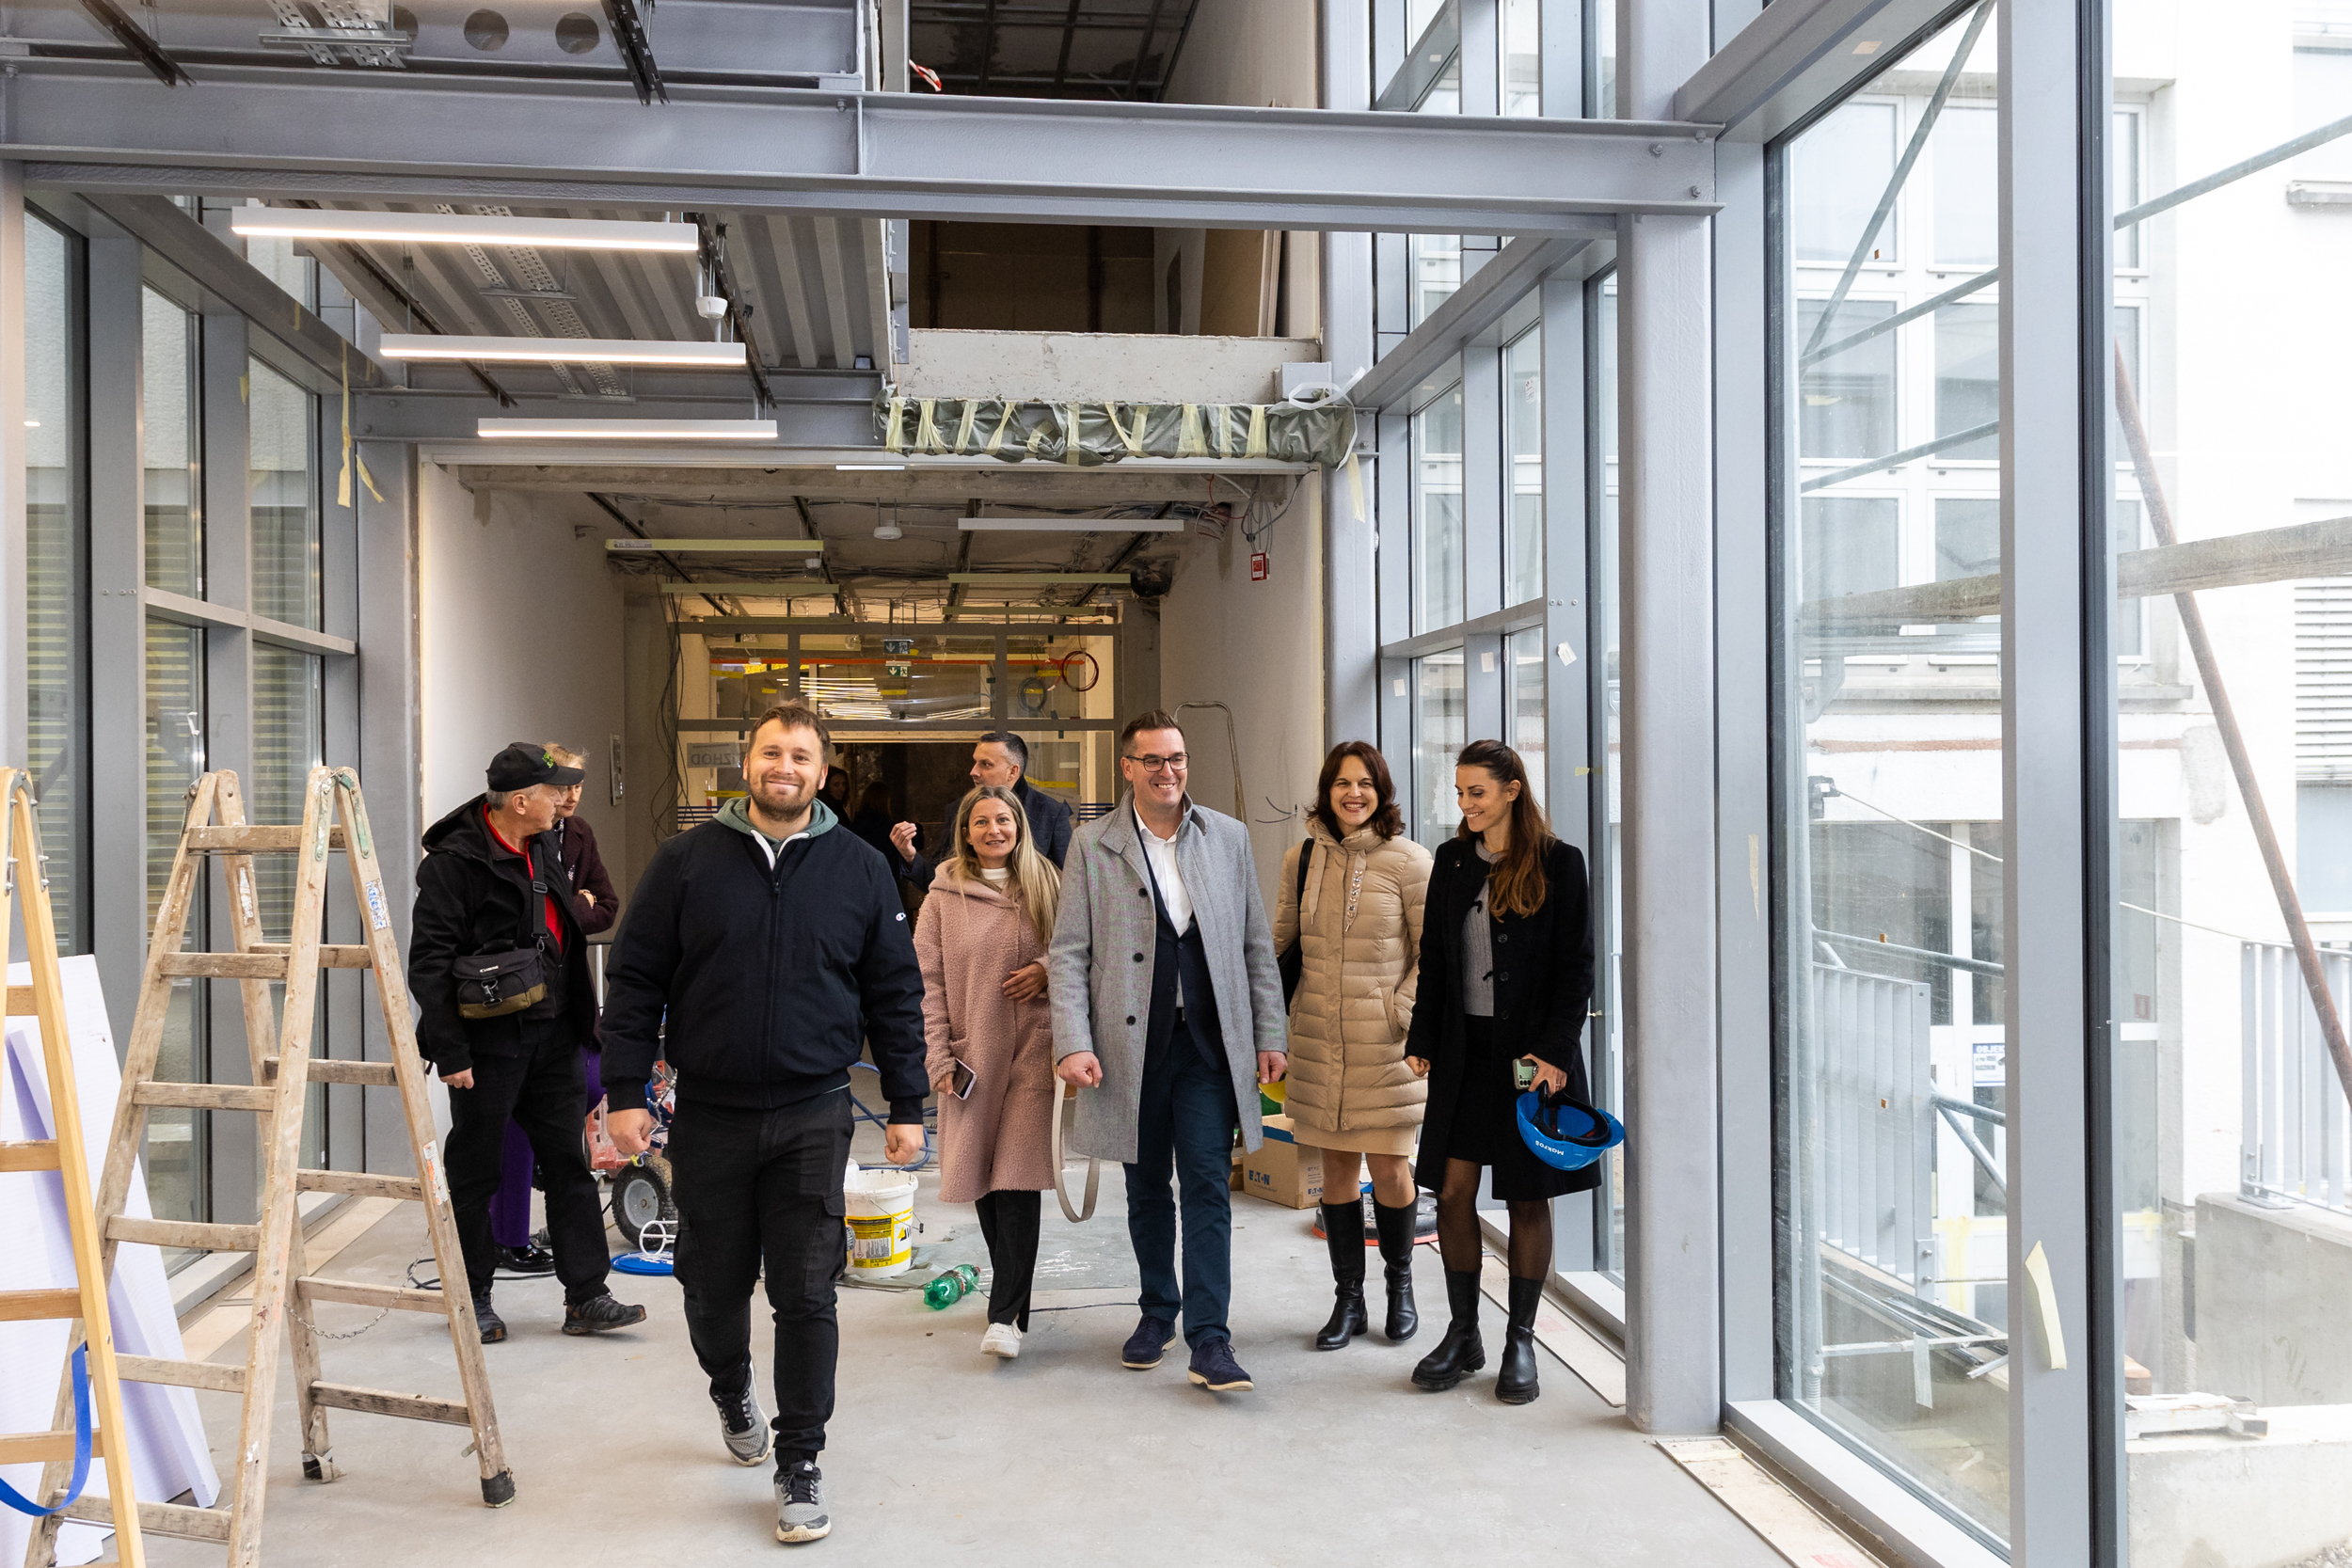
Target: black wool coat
[1543,983]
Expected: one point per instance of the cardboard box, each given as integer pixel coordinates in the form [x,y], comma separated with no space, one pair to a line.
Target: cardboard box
[1282,1171]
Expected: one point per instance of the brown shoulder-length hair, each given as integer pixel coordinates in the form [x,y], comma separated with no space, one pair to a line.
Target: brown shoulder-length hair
[1385,815]
[1517,885]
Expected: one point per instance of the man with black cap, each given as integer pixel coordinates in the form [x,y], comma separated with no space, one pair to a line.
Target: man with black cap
[499,969]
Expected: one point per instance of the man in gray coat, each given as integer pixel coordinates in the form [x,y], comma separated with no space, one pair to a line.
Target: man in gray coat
[1166,1001]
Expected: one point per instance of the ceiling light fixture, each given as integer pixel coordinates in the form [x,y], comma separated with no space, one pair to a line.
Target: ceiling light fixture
[308,223]
[1070,525]
[710,546]
[560,351]
[626,430]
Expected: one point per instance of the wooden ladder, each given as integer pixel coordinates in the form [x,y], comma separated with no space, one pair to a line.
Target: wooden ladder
[334,819]
[63,1152]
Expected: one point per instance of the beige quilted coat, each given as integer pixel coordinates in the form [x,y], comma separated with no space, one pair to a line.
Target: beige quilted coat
[968,938]
[1349,1081]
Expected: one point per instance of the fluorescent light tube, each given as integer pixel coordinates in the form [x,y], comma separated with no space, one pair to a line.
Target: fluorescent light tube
[627,430]
[304,223]
[565,351]
[1070,525]
[712,547]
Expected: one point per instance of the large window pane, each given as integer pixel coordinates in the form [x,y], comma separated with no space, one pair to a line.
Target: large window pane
[1606,758]
[170,446]
[1848,406]
[2230,1127]
[1437,514]
[1531,728]
[56,578]
[289,740]
[1969,378]
[1439,721]
[1436,260]
[1523,435]
[1522,58]
[175,1151]
[284,421]
[1967,211]
[1887,852]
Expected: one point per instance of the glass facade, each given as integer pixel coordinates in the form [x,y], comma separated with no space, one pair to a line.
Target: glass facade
[1523,467]
[56,576]
[171,445]
[282,426]
[1607,809]
[1437,584]
[1893,1318]
[177,1168]
[1440,721]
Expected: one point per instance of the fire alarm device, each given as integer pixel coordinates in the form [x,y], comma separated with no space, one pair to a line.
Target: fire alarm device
[1257,566]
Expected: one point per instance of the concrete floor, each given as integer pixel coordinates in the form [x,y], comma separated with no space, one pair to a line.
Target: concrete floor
[938,1454]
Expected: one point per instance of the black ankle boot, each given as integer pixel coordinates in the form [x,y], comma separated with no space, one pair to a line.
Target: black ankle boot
[1460,1353]
[1343,1233]
[1396,1251]
[1515,1380]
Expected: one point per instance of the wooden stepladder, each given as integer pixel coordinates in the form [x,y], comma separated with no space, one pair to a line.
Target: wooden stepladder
[285,1293]
[64,1152]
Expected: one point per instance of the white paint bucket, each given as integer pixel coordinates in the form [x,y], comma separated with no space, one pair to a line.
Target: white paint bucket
[881,1223]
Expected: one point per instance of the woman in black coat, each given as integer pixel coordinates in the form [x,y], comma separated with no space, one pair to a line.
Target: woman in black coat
[1507,974]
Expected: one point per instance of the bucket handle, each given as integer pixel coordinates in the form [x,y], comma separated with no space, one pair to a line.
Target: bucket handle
[1068,1092]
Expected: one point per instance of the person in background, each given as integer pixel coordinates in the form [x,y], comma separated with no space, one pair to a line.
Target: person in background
[1166,998]
[763,952]
[1359,929]
[981,941]
[1000,760]
[872,821]
[837,791]
[595,907]
[493,882]
[1506,973]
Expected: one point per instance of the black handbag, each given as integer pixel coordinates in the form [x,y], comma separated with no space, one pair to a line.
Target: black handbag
[1291,962]
[494,985]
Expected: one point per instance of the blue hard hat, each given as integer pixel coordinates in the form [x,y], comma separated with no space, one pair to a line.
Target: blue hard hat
[1564,1135]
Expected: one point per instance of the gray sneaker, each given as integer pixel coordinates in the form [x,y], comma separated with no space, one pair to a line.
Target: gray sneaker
[800,1503]
[743,1424]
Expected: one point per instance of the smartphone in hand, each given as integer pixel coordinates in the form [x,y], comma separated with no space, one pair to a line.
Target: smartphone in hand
[959,1083]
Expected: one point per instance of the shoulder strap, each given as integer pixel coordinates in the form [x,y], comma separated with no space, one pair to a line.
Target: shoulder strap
[1306,853]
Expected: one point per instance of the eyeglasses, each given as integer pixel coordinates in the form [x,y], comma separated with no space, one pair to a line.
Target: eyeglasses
[1160,765]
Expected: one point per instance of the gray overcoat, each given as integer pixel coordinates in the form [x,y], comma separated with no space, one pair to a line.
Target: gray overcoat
[1103,999]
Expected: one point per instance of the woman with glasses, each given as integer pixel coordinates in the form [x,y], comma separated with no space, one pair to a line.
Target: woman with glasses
[1353,908]
[981,941]
[1506,973]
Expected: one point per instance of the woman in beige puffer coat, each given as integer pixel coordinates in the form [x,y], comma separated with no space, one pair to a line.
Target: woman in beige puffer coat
[1350,1091]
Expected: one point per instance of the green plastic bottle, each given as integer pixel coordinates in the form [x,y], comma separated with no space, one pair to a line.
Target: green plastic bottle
[951,1287]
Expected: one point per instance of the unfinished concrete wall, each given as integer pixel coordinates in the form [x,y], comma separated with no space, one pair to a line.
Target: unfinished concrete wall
[2271,1285]
[1257,648]
[1054,367]
[520,638]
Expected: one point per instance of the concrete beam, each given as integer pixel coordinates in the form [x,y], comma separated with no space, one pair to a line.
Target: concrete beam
[363,136]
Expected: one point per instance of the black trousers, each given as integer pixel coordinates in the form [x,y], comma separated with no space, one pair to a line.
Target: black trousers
[764,1187]
[540,1090]
[1008,1220]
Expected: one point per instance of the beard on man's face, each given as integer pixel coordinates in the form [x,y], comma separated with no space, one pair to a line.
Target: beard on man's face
[775,794]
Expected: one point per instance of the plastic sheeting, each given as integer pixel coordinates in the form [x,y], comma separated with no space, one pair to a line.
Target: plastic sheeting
[1087,435]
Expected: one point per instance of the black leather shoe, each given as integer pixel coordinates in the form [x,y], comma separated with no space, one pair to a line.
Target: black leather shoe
[1344,1234]
[526,1259]
[1396,1252]
[486,1318]
[1460,1353]
[1214,1369]
[601,1315]
[1515,1380]
[1142,1350]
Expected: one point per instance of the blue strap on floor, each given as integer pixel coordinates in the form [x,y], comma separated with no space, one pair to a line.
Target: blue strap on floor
[15,1499]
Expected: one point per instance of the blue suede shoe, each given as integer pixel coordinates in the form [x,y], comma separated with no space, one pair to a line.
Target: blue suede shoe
[1151,1336]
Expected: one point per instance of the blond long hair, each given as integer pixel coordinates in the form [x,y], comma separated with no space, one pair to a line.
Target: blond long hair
[1036,885]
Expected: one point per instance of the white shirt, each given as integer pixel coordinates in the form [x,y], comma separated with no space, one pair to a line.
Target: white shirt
[1161,854]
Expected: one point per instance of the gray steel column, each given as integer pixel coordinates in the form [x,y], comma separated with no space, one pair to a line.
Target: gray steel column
[1743,752]
[391,757]
[117,631]
[15,665]
[1667,563]
[2057,775]
[1351,639]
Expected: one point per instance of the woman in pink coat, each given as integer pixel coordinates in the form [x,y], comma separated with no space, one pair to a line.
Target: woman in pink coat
[981,941]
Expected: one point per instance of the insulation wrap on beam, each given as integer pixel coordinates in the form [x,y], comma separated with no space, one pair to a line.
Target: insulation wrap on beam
[1088,434]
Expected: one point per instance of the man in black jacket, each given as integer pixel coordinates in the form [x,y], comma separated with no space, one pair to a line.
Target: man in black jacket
[774,942]
[1001,758]
[493,882]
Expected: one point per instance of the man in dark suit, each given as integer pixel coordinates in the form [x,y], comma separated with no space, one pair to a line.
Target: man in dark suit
[1001,759]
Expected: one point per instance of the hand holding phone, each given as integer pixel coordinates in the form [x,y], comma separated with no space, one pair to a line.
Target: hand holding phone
[961,1079]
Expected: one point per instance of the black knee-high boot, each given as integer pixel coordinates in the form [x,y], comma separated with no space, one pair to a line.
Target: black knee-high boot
[1395,1226]
[1515,1380]
[1343,1233]
[1460,1353]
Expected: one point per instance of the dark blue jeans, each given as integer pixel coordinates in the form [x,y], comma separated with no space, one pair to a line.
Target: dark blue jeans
[1186,1124]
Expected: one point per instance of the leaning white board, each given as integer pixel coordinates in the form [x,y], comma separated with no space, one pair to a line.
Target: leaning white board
[169,1454]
